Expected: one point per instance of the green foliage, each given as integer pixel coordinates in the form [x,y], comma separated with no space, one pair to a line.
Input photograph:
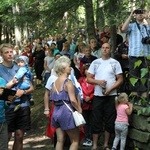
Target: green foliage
[139,112]
[137,64]
[143,111]
[144,71]
[133,81]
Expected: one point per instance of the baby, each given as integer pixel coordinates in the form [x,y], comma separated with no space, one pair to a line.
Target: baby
[23,76]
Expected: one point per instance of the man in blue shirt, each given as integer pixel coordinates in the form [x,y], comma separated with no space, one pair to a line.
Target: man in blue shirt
[18,121]
[138,50]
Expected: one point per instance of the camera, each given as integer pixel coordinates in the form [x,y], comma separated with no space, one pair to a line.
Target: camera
[146,40]
[138,11]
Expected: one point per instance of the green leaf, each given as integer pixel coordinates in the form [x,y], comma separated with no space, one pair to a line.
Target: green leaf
[143,81]
[144,110]
[139,112]
[133,81]
[148,57]
[137,63]
[148,110]
[144,71]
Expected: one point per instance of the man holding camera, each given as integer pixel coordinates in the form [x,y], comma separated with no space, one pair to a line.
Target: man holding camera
[139,49]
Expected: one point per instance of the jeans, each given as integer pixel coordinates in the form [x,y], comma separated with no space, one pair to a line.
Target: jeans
[121,131]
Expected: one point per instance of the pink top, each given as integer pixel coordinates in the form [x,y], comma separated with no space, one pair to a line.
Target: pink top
[121,113]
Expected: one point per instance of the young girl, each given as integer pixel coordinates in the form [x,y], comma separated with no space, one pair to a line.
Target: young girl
[124,108]
[88,94]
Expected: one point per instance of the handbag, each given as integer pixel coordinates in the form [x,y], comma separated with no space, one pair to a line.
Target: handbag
[78,118]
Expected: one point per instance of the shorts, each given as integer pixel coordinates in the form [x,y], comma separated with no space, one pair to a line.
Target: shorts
[103,114]
[18,120]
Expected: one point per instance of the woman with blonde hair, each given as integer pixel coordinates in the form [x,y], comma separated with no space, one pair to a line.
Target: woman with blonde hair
[62,119]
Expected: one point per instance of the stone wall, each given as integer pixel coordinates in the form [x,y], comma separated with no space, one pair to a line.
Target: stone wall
[139,129]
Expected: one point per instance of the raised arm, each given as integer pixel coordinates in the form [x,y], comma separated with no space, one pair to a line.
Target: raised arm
[126,23]
[130,109]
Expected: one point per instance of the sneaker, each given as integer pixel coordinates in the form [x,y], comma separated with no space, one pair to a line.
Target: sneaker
[87,142]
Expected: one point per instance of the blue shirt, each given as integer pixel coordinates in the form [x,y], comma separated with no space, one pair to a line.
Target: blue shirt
[8,73]
[136,47]
[24,76]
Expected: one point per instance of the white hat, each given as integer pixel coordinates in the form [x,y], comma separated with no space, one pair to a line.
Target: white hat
[24,58]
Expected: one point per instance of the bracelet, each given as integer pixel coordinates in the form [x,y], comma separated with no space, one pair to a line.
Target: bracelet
[46,109]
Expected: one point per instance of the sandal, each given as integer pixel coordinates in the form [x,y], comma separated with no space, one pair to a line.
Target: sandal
[106,148]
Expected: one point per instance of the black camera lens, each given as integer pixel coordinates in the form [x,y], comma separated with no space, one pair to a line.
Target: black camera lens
[146,40]
[138,11]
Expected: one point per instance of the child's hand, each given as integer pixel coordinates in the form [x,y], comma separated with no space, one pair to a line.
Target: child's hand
[1,90]
[11,98]
[130,104]
[87,98]
[15,80]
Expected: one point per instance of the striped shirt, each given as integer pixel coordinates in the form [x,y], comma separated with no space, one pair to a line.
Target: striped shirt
[136,48]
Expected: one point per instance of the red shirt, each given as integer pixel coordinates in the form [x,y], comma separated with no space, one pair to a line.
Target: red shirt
[88,90]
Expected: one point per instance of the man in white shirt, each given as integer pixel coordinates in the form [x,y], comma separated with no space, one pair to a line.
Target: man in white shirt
[106,74]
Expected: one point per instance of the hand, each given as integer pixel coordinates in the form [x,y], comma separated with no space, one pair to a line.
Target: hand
[1,90]
[107,92]
[46,113]
[124,56]
[80,110]
[11,98]
[146,14]
[102,83]
[130,104]
[87,98]
[19,93]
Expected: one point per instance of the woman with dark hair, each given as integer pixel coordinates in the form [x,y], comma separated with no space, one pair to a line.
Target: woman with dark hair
[39,56]
[95,50]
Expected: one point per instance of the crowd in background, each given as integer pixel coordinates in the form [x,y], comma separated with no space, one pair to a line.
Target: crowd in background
[87,62]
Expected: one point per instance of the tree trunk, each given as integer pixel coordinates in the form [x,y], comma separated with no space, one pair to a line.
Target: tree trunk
[90,19]
[100,21]
[112,23]
[17,28]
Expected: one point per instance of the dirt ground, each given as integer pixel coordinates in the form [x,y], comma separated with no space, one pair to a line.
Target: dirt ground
[35,138]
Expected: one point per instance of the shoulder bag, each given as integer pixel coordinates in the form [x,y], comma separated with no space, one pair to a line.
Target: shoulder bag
[78,118]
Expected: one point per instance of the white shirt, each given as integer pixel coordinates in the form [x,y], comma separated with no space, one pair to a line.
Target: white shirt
[105,70]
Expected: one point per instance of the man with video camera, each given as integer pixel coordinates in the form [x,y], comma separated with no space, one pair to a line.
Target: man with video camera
[139,49]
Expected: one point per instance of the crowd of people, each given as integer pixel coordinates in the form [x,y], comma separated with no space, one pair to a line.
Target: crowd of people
[81,73]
